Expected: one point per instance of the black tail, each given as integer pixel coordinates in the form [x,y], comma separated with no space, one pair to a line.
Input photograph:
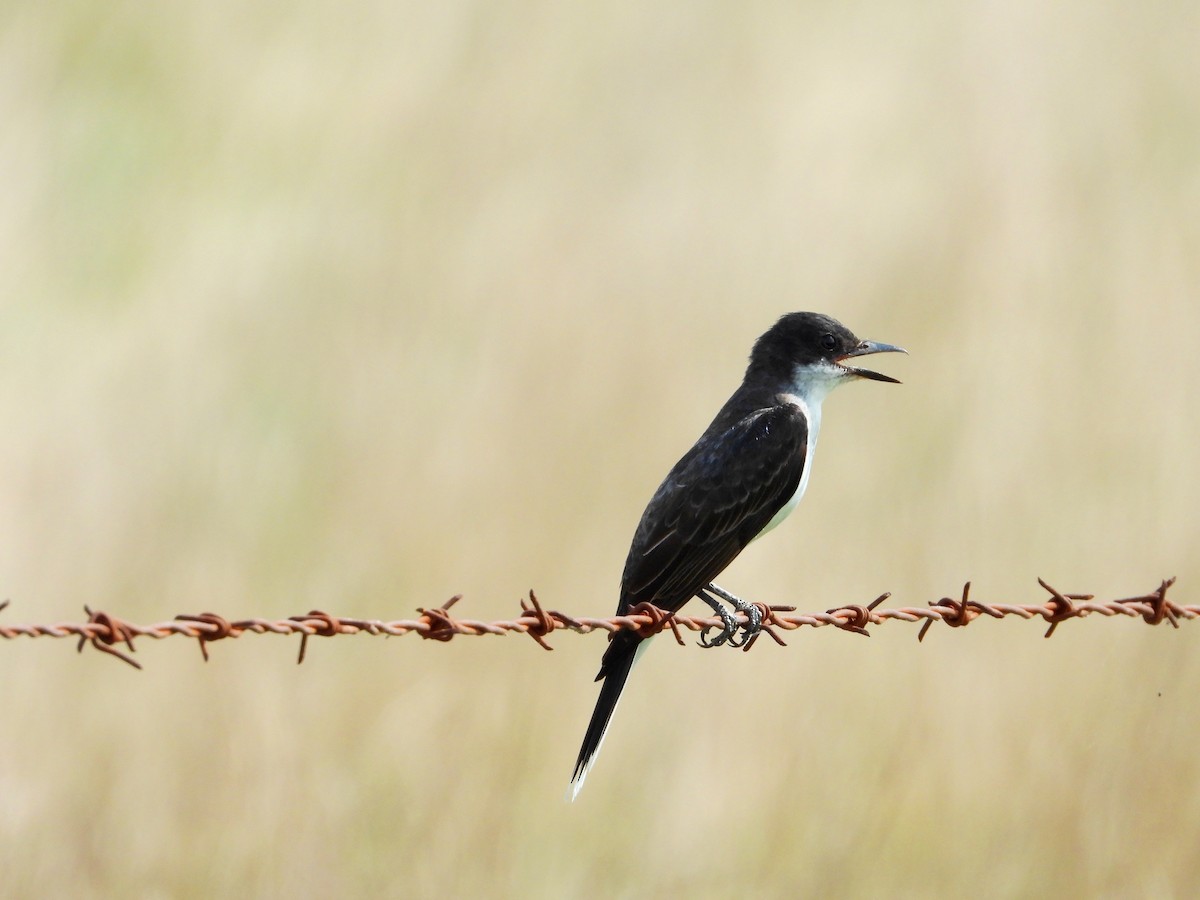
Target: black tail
[614,670]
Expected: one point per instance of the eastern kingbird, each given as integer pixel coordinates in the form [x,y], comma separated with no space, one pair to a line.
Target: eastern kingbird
[740,479]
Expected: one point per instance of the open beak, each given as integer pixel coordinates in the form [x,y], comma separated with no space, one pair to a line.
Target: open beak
[866,348]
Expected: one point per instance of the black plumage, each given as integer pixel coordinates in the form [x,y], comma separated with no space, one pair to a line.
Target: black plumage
[744,469]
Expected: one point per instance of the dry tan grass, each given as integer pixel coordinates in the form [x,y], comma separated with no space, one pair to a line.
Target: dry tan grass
[361,305]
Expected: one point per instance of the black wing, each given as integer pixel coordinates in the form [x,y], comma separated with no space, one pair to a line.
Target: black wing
[714,502]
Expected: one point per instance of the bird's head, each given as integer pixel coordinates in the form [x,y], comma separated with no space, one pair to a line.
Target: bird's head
[811,352]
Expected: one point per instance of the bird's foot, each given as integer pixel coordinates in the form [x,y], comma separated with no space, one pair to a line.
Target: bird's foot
[729,631]
[729,623]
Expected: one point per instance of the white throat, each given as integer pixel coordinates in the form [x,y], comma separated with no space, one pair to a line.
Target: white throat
[812,384]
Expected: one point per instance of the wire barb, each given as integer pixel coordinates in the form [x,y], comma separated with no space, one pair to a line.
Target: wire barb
[1160,608]
[220,625]
[767,622]
[657,620]
[108,630]
[322,624]
[542,622]
[859,616]
[439,624]
[105,631]
[1063,606]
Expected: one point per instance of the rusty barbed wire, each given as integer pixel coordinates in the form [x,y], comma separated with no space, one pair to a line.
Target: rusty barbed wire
[104,631]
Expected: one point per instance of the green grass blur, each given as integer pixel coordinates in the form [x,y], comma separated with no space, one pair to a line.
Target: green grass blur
[358,306]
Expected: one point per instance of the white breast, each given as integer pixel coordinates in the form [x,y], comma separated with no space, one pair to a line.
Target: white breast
[812,412]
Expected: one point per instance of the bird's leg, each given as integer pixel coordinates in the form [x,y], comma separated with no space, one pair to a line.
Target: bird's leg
[729,628]
[753,614]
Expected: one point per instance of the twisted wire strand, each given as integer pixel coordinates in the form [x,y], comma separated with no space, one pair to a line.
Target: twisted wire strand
[115,636]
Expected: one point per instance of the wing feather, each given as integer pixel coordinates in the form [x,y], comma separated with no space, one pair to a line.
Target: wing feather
[715,501]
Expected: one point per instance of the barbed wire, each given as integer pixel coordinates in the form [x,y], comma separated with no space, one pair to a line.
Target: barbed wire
[105,632]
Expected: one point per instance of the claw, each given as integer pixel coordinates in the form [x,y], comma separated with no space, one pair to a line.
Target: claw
[730,630]
[729,624]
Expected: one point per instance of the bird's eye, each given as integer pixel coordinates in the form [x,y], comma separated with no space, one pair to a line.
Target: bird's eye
[828,341]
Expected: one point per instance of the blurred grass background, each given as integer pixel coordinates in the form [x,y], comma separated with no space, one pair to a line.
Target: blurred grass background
[357,306]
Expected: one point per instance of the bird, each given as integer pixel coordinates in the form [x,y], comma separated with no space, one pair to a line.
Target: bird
[741,478]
